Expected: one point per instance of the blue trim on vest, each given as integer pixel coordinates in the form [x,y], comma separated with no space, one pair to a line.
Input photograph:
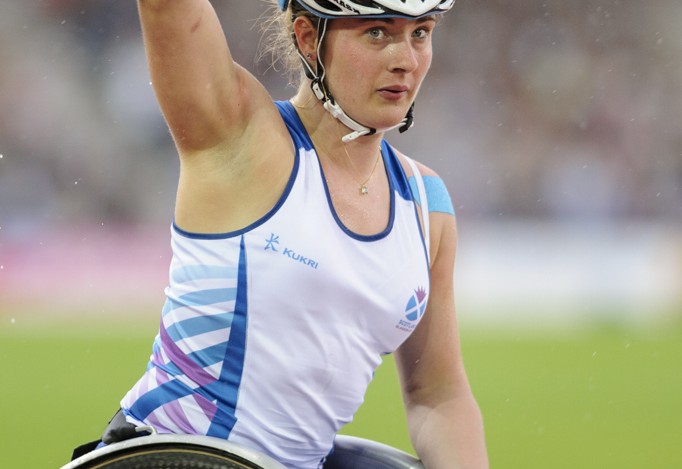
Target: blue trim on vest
[227,386]
[388,157]
[396,173]
[294,124]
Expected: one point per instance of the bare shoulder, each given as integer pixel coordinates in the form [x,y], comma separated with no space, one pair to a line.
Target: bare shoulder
[423,169]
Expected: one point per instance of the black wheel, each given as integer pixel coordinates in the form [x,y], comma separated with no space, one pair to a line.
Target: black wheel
[174,452]
[358,453]
[171,457]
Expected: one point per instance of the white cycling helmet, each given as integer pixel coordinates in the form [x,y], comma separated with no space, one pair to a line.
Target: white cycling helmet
[329,9]
[405,8]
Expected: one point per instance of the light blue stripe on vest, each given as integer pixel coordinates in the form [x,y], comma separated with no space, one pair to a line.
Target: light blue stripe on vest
[436,192]
[203,272]
[201,298]
[201,325]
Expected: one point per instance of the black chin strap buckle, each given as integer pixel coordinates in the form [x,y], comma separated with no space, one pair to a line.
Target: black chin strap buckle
[408,121]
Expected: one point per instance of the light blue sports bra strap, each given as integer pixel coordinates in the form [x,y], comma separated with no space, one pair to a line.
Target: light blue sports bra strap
[424,203]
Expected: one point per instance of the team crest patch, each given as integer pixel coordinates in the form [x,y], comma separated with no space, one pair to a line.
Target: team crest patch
[416,306]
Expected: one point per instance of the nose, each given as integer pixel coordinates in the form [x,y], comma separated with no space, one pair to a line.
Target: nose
[405,57]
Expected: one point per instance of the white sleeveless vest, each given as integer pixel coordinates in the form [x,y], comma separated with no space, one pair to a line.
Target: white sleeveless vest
[271,334]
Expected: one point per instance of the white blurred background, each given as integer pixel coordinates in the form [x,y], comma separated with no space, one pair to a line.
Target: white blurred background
[555,124]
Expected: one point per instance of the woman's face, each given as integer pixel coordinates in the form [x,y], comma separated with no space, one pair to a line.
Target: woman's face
[375,67]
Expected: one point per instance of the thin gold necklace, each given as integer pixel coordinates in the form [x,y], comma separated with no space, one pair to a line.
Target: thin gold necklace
[364,190]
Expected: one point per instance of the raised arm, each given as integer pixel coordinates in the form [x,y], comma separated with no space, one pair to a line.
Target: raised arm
[204,96]
[235,151]
[443,417]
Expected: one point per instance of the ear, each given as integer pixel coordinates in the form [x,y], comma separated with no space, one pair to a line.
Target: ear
[305,35]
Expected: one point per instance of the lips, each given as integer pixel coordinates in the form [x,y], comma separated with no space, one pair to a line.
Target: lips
[393,92]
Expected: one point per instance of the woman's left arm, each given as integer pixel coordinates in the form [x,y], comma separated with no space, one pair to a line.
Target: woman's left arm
[444,420]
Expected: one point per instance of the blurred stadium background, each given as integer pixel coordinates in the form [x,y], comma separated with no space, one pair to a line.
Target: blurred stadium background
[556,126]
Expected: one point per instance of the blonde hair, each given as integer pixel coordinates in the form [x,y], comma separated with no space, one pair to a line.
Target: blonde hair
[279,42]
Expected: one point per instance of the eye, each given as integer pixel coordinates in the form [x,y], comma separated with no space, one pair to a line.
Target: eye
[421,33]
[376,33]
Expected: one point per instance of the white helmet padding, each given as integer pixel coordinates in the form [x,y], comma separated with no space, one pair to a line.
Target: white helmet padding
[405,8]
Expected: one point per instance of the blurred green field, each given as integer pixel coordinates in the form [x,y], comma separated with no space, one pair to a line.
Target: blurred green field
[604,398]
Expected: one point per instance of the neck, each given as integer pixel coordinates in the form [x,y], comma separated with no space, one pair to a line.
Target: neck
[359,159]
[324,129]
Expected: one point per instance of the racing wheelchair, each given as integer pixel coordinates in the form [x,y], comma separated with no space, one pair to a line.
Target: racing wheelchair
[157,451]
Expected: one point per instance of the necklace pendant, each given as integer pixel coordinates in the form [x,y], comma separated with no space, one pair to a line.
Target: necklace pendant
[364,190]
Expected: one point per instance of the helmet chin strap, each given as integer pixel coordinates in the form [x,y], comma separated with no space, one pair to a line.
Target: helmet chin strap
[330,105]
